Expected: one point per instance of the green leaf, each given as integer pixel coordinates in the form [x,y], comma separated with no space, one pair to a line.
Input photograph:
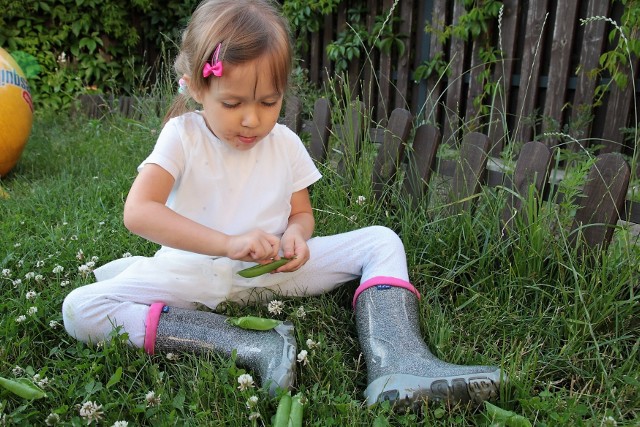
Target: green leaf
[115,378]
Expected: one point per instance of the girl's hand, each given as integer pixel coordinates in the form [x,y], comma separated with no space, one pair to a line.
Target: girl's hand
[294,246]
[254,246]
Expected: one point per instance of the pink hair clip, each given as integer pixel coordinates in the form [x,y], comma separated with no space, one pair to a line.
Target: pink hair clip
[215,67]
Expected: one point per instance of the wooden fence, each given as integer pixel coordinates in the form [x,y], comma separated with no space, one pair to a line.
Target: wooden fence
[602,201]
[543,76]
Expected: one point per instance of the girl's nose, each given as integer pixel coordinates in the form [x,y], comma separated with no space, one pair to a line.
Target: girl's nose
[250,118]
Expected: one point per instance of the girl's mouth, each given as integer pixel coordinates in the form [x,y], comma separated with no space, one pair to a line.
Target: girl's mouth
[247,139]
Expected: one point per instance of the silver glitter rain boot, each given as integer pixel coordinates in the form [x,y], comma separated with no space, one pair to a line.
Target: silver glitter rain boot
[272,353]
[400,367]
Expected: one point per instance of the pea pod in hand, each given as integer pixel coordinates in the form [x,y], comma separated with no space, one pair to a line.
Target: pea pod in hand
[23,388]
[260,269]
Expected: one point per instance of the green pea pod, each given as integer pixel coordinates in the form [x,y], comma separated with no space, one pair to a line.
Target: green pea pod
[23,388]
[281,418]
[254,323]
[297,411]
[509,418]
[260,269]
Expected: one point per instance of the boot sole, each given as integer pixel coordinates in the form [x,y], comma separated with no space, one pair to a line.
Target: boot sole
[284,375]
[409,390]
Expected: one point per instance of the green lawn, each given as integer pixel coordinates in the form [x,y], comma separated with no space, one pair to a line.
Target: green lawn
[564,330]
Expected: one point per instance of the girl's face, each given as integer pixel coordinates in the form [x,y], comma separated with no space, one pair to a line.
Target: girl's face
[242,106]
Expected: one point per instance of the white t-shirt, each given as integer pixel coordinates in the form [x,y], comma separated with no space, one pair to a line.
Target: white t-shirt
[226,189]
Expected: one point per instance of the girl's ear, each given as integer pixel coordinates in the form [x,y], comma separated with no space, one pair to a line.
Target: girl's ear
[192,91]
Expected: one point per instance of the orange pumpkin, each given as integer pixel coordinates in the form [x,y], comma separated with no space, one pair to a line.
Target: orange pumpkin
[16,112]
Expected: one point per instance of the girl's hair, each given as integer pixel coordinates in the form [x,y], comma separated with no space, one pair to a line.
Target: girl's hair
[247,29]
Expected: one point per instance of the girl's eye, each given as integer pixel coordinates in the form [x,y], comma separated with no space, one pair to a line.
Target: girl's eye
[227,105]
[269,104]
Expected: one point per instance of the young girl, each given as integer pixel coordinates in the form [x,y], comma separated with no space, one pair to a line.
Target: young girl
[227,187]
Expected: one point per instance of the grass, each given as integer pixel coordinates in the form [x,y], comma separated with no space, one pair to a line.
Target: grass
[565,331]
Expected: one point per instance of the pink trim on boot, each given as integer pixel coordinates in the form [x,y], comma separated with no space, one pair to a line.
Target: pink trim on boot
[383,280]
[153,317]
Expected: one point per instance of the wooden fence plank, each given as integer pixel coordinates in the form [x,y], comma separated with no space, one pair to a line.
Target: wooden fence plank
[421,161]
[433,108]
[391,151]
[503,75]
[384,81]
[292,115]
[530,66]
[320,130]
[532,169]
[402,85]
[603,199]
[618,107]
[562,42]
[476,85]
[451,123]
[470,170]
[590,50]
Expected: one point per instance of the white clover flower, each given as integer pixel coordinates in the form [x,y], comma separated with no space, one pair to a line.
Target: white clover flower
[79,255]
[252,402]
[39,264]
[609,421]
[21,318]
[152,399]
[300,313]
[31,295]
[32,311]
[16,283]
[302,357]
[73,237]
[172,357]
[275,307]
[17,245]
[84,270]
[94,259]
[41,382]
[54,324]
[101,222]
[65,222]
[245,381]
[312,345]
[91,264]
[254,416]
[52,419]
[39,278]
[127,255]
[91,411]
[6,272]
[360,200]
[20,263]
[64,283]
[58,269]
[30,275]
[120,424]
[17,371]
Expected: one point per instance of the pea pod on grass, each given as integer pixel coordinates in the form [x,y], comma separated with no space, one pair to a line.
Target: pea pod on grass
[254,323]
[297,411]
[23,388]
[260,269]
[281,419]
[509,418]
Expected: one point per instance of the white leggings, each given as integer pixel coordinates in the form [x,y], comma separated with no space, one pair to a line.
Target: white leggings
[127,287]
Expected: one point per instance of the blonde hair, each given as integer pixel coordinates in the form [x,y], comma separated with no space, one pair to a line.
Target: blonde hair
[247,29]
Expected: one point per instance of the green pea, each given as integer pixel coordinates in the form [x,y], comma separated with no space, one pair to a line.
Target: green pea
[23,388]
[254,323]
[281,418]
[260,269]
